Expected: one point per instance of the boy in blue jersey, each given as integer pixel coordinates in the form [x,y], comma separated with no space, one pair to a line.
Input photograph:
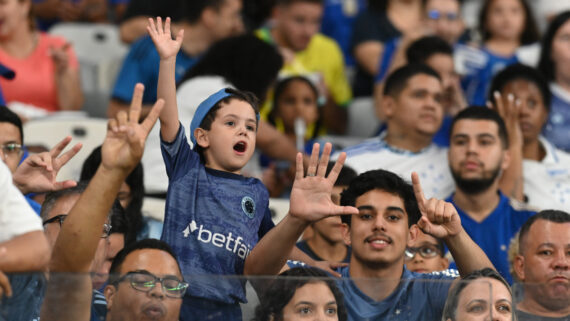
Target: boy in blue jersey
[214,216]
[478,154]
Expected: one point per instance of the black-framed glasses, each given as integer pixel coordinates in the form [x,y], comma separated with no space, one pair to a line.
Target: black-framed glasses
[145,281]
[11,149]
[426,251]
[60,218]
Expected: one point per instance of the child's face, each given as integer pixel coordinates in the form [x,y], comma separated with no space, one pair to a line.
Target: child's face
[431,260]
[230,142]
[505,19]
[297,100]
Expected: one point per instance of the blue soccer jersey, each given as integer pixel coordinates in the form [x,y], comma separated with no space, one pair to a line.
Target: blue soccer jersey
[213,220]
[494,233]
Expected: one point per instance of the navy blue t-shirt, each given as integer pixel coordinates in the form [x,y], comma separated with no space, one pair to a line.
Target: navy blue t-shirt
[213,220]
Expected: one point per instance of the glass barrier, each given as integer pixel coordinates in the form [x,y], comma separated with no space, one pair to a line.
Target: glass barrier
[138,295]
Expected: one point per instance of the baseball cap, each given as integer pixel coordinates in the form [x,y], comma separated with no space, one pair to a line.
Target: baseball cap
[205,107]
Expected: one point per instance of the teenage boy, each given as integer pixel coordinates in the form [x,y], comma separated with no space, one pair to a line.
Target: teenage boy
[214,216]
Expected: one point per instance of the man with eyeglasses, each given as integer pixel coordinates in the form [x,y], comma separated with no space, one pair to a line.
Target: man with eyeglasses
[425,254]
[147,283]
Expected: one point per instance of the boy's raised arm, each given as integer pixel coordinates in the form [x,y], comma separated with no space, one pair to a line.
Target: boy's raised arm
[310,201]
[167,50]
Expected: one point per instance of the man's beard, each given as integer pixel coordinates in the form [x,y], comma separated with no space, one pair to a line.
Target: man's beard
[473,186]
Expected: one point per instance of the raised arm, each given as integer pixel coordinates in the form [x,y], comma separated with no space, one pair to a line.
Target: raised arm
[310,201]
[167,50]
[441,220]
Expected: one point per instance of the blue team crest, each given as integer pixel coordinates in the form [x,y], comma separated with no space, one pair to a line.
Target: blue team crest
[248,206]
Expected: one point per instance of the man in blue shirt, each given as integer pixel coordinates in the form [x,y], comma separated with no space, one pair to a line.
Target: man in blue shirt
[204,22]
[478,154]
[390,212]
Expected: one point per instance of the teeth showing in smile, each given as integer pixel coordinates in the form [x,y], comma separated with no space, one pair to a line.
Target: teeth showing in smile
[379,242]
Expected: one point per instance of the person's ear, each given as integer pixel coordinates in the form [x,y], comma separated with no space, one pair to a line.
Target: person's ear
[345,231]
[444,263]
[518,266]
[388,106]
[414,232]
[209,16]
[506,160]
[109,292]
[202,138]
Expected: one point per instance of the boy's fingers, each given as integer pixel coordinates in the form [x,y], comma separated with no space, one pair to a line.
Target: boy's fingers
[313,161]
[299,166]
[159,25]
[167,25]
[335,171]
[324,162]
[418,191]
[136,103]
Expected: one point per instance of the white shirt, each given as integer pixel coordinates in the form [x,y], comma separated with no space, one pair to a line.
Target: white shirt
[430,164]
[16,215]
[189,95]
[547,183]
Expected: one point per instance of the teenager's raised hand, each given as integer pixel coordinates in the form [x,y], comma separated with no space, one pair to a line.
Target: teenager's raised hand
[510,112]
[162,38]
[439,218]
[311,194]
[124,144]
[38,172]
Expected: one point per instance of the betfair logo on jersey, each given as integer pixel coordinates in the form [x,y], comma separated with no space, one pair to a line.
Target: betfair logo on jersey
[228,242]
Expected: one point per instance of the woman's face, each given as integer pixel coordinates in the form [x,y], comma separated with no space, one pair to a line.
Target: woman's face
[485,299]
[312,301]
[297,100]
[505,19]
[561,52]
[13,15]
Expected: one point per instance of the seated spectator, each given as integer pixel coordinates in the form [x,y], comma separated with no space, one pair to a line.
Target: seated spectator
[338,23]
[383,21]
[203,21]
[544,167]
[307,52]
[301,293]
[50,12]
[376,284]
[542,266]
[434,52]
[443,18]
[508,30]
[47,71]
[326,242]
[555,65]
[426,254]
[478,153]
[142,265]
[411,105]
[481,295]
[117,241]
[14,153]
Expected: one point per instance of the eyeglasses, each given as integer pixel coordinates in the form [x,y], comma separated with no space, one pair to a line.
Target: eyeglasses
[436,15]
[145,281]
[11,149]
[61,217]
[426,251]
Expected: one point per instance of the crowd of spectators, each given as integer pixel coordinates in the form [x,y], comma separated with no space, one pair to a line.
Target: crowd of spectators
[457,208]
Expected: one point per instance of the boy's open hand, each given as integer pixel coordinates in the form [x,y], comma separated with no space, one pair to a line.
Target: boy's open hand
[162,38]
[439,218]
[124,144]
[311,195]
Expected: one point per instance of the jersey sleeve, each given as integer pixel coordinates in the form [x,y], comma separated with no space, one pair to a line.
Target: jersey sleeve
[177,155]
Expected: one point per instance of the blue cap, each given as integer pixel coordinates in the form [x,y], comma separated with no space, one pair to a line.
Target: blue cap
[204,108]
[6,72]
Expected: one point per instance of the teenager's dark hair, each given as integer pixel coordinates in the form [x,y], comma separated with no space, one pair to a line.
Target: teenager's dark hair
[119,223]
[346,174]
[422,49]
[398,80]
[483,113]
[246,62]
[135,181]
[545,64]
[8,116]
[385,181]
[547,215]
[206,123]
[280,87]
[521,72]
[452,302]
[530,32]
[290,2]
[274,299]
[153,244]
[193,9]
[52,197]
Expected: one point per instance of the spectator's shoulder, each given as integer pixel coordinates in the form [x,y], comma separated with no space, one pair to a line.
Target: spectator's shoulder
[143,48]
[522,208]
[323,42]
[371,145]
